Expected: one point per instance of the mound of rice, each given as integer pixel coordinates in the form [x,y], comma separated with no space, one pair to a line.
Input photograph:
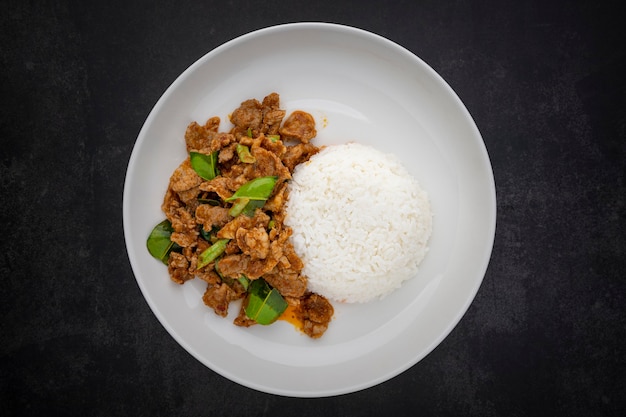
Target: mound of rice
[360,221]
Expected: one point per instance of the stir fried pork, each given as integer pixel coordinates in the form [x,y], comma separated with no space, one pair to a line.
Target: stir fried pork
[299,126]
[258,244]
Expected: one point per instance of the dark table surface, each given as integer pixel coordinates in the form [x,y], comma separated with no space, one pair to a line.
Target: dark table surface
[545,83]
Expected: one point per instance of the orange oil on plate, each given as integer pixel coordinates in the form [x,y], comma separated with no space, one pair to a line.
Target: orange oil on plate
[290,315]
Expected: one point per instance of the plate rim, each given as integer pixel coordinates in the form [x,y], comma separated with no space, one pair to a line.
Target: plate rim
[462,310]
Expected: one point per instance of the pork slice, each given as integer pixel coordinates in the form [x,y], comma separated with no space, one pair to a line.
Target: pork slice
[288,284]
[317,313]
[254,242]
[248,115]
[218,297]
[184,177]
[299,126]
[277,147]
[196,137]
[272,114]
[242,318]
[222,186]
[229,231]
[184,239]
[277,199]
[233,265]
[178,268]
[267,164]
[209,216]
[298,154]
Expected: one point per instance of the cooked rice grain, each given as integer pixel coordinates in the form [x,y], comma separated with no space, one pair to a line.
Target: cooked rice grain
[361,223]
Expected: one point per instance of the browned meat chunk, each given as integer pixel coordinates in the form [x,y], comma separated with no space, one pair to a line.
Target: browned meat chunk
[183,221]
[232,248]
[213,124]
[253,242]
[299,126]
[298,154]
[196,137]
[209,216]
[222,186]
[171,203]
[242,318]
[317,313]
[267,164]
[184,239]
[277,200]
[235,265]
[288,284]
[189,197]
[229,230]
[178,268]
[256,268]
[272,114]
[192,253]
[184,177]
[220,141]
[276,146]
[248,115]
[208,276]
[227,153]
[255,118]
[218,297]
[199,137]
[184,224]
[290,261]
[285,276]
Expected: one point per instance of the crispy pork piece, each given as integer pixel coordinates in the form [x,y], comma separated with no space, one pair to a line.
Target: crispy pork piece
[254,242]
[178,268]
[211,216]
[218,297]
[299,126]
[298,154]
[184,177]
[199,137]
[272,114]
[317,313]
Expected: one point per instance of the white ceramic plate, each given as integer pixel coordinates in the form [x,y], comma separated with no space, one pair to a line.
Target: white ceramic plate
[359,87]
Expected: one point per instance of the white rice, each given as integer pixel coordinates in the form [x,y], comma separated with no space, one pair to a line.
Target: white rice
[361,223]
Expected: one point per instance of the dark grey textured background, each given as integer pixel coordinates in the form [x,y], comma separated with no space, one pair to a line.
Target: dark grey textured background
[545,82]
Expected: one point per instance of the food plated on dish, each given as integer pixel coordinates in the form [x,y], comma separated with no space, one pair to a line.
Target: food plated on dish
[360,220]
[366,94]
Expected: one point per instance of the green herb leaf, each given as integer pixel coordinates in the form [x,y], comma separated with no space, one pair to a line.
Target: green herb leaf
[251,207]
[257,189]
[209,201]
[244,154]
[209,235]
[204,165]
[264,304]
[211,253]
[159,243]
[238,207]
[245,282]
[245,206]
